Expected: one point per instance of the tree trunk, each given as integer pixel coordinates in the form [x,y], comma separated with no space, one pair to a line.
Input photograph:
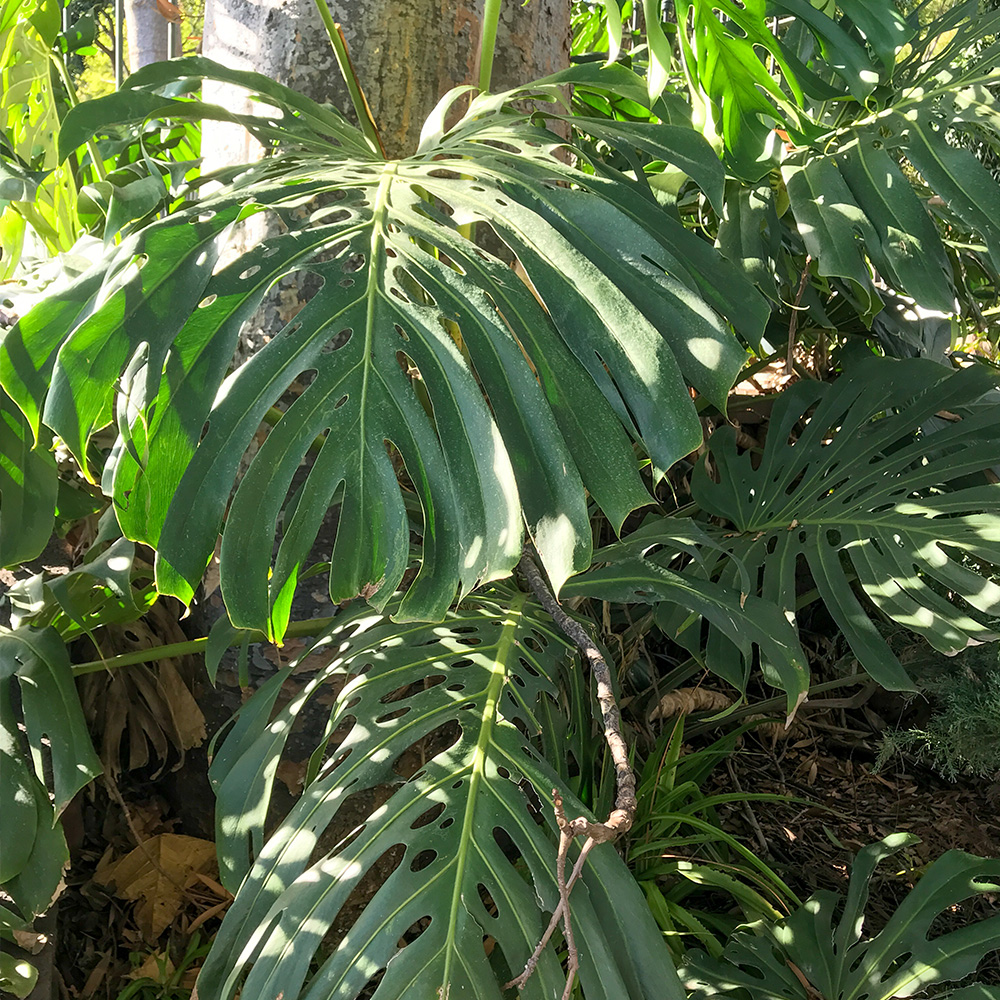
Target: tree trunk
[407,54]
[146,30]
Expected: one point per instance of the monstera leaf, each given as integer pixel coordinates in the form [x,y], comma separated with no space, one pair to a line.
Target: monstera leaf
[32,795]
[819,950]
[432,378]
[861,481]
[29,485]
[431,727]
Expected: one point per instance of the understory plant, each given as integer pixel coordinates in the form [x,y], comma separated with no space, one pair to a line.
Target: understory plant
[822,949]
[707,213]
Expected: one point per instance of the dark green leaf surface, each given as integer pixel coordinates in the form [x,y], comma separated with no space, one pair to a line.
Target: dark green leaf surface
[34,850]
[28,488]
[745,619]
[428,366]
[462,852]
[825,943]
[851,470]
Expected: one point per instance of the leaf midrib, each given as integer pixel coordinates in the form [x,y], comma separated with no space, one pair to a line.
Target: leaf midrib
[498,676]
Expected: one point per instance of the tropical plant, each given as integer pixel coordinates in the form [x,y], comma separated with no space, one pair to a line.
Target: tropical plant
[820,949]
[398,277]
[436,747]
[444,403]
[862,466]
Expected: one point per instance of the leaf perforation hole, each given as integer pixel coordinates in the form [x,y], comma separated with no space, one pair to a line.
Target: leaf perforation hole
[503,772]
[346,282]
[833,537]
[340,402]
[532,643]
[532,801]
[461,663]
[527,667]
[414,931]
[428,816]
[337,341]
[395,714]
[249,272]
[436,742]
[489,904]
[407,365]
[207,301]
[355,262]
[455,687]
[423,859]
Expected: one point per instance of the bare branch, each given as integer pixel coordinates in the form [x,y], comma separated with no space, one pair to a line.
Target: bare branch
[621,816]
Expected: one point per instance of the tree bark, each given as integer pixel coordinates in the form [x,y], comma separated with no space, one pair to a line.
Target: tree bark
[146,30]
[407,53]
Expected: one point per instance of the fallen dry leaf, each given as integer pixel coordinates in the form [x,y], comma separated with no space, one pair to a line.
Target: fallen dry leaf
[156,875]
[684,701]
[156,966]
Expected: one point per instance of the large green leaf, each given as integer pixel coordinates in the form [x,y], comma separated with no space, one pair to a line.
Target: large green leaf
[497,407]
[434,722]
[54,728]
[745,619]
[859,480]
[28,488]
[819,949]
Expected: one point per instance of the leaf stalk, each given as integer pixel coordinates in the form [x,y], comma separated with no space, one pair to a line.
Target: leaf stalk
[358,99]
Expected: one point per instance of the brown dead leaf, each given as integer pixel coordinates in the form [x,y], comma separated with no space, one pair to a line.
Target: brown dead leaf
[188,717]
[684,701]
[156,966]
[156,875]
[292,774]
[30,941]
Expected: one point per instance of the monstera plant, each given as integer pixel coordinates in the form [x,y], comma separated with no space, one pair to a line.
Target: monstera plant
[432,405]
[863,468]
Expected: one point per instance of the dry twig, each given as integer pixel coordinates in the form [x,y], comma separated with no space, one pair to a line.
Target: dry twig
[621,816]
[793,323]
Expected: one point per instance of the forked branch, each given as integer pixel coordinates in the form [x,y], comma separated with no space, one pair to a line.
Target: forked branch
[621,816]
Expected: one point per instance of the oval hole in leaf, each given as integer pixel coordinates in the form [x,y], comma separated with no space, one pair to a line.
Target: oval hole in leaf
[428,816]
[422,860]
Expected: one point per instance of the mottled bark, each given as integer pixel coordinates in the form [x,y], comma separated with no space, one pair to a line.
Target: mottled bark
[147,33]
[408,53]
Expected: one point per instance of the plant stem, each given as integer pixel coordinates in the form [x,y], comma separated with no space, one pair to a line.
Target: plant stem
[309,626]
[361,108]
[71,96]
[488,43]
